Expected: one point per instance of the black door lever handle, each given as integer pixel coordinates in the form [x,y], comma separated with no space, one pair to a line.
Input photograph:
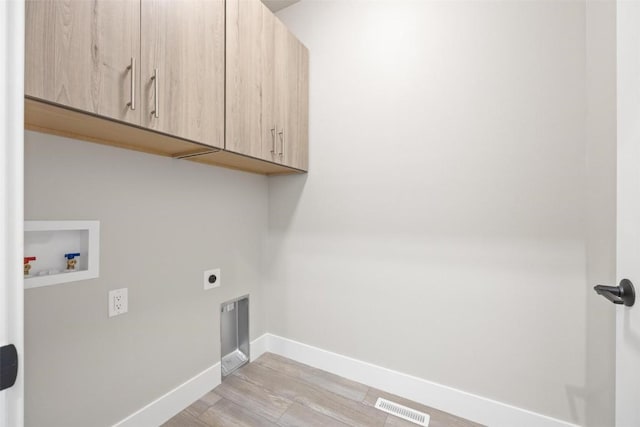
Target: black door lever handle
[621,294]
[612,293]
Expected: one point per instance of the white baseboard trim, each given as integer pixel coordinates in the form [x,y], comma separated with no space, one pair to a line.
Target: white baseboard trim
[466,405]
[258,347]
[166,406]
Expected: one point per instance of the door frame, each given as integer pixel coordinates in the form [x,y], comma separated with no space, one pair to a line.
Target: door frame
[627,412]
[12,196]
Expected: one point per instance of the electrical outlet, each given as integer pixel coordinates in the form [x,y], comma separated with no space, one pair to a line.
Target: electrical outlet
[118,302]
[212,279]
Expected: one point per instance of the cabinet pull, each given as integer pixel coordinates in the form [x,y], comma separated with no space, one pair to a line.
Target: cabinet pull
[132,67]
[273,139]
[281,133]
[156,111]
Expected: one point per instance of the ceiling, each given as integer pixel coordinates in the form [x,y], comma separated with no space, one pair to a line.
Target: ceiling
[276,5]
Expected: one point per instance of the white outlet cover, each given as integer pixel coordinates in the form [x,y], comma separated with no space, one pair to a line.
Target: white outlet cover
[118,302]
[207,274]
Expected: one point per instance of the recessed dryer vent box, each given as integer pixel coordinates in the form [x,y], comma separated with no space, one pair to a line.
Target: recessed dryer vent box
[234,334]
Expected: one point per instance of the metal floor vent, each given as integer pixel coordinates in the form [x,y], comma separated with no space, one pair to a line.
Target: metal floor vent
[233,361]
[403,412]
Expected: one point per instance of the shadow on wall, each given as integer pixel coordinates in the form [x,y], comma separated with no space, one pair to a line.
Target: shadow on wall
[576,396]
[285,193]
[630,336]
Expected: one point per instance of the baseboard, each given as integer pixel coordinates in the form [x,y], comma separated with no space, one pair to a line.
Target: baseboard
[258,347]
[466,405]
[166,406]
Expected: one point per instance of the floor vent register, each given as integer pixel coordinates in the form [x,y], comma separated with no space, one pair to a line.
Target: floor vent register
[233,361]
[403,412]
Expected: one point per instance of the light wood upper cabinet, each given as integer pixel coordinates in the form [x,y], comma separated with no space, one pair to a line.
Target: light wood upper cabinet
[215,81]
[78,54]
[270,117]
[267,87]
[291,78]
[182,69]
[84,55]
[249,24]
[299,153]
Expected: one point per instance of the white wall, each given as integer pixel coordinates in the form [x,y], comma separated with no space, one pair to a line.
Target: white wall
[601,208]
[441,230]
[163,222]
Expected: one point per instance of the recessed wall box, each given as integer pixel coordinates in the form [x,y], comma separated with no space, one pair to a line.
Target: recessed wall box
[234,334]
[59,245]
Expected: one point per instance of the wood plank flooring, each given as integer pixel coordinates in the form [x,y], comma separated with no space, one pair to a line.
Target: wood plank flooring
[277,392]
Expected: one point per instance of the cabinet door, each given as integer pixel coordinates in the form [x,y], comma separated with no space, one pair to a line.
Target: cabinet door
[298,151]
[270,119]
[292,98]
[78,53]
[182,71]
[249,82]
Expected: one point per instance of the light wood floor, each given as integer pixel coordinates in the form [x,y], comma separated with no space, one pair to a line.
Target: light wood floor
[275,391]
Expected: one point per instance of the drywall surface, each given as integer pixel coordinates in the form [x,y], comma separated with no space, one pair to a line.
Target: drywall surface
[440,231]
[163,222]
[601,208]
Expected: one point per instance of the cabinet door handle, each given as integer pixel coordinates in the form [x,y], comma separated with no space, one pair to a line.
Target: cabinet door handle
[156,111]
[281,133]
[273,139]
[132,100]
